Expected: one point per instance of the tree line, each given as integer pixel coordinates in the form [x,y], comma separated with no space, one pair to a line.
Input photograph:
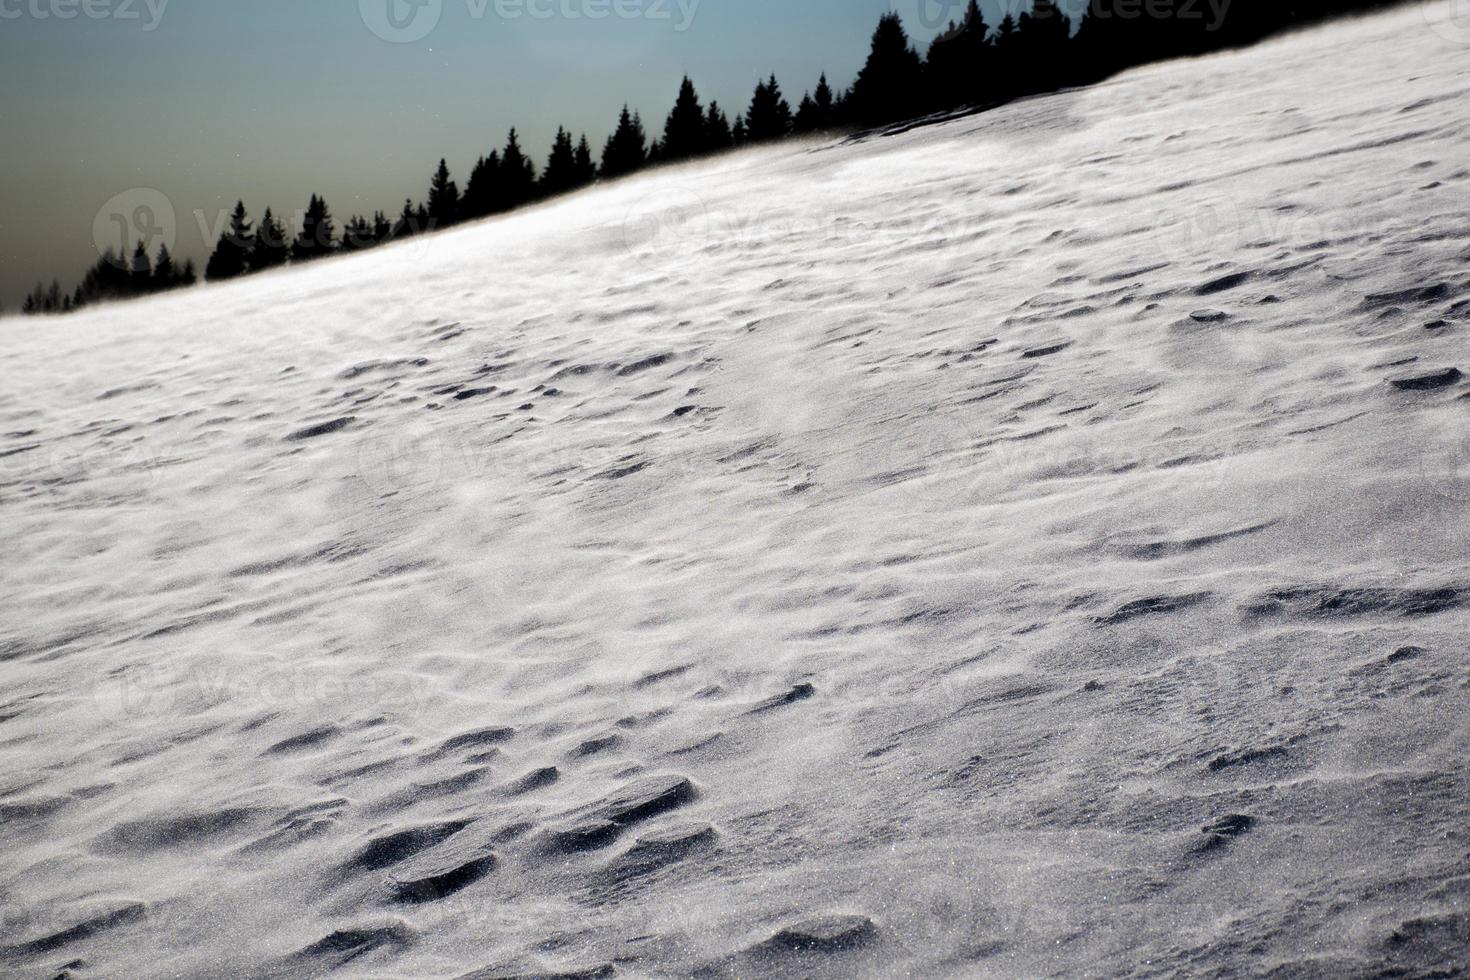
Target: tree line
[114,276]
[971,65]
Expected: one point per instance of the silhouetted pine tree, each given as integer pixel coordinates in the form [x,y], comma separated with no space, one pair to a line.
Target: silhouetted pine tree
[140,271]
[583,167]
[357,235]
[406,226]
[107,279]
[272,247]
[769,116]
[685,135]
[806,113]
[815,112]
[443,198]
[1104,44]
[188,275]
[961,64]
[717,134]
[482,193]
[560,174]
[738,134]
[165,276]
[232,253]
[627,148]
[314,238]
[517,175]
[382,228]
[890,85]
[51,298]
[1042,60]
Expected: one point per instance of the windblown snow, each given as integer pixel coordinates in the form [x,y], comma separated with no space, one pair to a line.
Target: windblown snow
[1029,545]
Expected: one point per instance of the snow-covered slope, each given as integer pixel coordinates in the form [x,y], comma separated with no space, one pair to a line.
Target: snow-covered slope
[835,560]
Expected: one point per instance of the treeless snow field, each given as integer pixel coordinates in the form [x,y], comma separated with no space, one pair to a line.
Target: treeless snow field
[1030,545]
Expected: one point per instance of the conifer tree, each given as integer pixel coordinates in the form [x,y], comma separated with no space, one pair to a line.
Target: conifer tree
[107,279]
[684,131]
[482,193]
[627,148]
[583,166]
[517,175]
[140,270]
[443,198]
[769,116]
[232,253]
[1006,58]
[314,238]
[165,276]
[960,63]
[890,85]
[817,111]
[357,235]
[1041,62]
[560,174]
[271,244]
[717,134]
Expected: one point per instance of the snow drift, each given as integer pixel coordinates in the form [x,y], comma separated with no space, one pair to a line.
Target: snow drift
[1029,545]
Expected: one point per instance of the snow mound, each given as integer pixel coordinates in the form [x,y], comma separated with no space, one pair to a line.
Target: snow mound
[1029,545]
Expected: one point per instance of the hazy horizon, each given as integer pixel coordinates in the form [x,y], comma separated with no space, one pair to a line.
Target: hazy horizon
[207,104]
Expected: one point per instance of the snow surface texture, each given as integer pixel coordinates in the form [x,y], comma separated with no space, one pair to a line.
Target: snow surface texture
[997,549]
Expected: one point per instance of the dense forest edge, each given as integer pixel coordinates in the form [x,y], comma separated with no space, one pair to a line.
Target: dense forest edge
[971,66]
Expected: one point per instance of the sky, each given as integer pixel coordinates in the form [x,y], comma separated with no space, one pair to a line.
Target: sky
[156,115]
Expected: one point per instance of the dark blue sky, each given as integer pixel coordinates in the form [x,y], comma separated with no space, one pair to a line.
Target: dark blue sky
[207,101]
